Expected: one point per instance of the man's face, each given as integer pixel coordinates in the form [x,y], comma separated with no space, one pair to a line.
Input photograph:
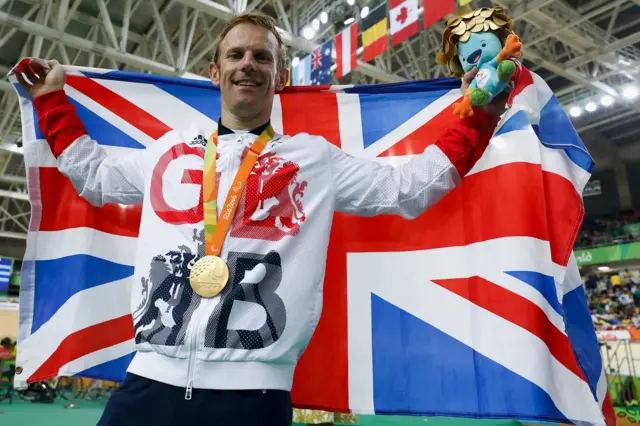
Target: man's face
[247,71]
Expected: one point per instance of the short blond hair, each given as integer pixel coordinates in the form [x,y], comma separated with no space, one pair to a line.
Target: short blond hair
[259,20]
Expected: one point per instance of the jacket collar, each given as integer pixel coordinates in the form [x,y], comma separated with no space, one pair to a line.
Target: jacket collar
[224,130]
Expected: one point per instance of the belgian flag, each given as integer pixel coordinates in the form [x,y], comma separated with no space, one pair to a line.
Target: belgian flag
[374,32]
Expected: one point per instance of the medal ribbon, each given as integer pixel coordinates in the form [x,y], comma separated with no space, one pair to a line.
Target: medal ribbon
[214,231]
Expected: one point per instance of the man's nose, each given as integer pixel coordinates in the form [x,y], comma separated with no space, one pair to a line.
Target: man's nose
[248,62]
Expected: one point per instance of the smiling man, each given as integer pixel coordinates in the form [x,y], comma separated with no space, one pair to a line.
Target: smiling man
[229,269]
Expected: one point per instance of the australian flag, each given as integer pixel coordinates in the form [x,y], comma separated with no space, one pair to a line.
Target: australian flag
[321,64]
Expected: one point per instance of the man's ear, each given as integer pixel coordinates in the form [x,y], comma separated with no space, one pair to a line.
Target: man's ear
[214,73]
[283,79]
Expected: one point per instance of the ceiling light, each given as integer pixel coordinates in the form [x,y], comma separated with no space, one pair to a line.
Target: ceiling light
[575,111]
[308,33]
[630,92]
[350,21]
[295,62]
[591,106]
[351,2]
[315,24]
[603,268]
[324,17]
[364,12]
[606,100]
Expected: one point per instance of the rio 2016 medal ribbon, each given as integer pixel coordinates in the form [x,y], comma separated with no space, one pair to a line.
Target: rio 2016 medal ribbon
[210,274]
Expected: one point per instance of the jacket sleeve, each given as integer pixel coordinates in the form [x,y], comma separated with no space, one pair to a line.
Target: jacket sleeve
[95,176]
[367,188]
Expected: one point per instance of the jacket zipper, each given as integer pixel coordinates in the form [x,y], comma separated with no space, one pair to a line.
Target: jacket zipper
[194,324]
[193,345]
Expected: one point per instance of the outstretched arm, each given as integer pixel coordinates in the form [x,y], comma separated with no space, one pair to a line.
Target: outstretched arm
[95,176]
[366,188]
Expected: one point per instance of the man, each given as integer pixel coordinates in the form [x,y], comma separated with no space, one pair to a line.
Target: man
[209,358]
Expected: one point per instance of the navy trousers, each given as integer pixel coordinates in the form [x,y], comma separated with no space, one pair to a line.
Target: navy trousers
[141,401]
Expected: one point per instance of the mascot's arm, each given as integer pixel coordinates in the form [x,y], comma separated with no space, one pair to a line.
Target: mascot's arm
[512,47]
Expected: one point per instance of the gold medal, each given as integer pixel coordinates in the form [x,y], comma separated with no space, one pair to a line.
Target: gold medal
[209,275]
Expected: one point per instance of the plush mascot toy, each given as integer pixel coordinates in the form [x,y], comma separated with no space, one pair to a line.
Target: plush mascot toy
[480,38]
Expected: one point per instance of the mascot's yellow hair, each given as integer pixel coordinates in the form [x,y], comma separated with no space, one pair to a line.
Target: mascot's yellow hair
[460,29]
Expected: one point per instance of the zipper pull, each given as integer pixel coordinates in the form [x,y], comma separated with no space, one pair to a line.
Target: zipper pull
[187,394]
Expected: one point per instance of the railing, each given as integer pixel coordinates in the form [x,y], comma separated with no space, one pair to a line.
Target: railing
[606,240]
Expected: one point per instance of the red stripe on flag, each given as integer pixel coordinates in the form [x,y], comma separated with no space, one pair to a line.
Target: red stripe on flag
[374,49]
[517,310]
[504,201]
[328,349]
[426,135]
[354,46]
[436,10]
[119,106]
[339,67]
[62,208]
[522,78]
[563,229]
[608,411]
[405,33]
[324,119]
[84,342]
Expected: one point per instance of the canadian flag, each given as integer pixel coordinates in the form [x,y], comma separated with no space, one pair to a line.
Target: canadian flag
[346,46]
[403,18]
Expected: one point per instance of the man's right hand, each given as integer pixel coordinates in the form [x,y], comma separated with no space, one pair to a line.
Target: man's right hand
[41,80]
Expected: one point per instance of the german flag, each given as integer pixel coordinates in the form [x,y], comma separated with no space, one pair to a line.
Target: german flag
[374,32]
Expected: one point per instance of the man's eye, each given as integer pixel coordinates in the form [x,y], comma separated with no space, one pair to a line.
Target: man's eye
[235,55]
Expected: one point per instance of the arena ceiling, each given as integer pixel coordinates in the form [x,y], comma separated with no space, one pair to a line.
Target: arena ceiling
[584,49]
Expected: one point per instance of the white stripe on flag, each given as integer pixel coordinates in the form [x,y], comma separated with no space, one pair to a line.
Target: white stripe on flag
[97,358]
[521,146]
[276,115]
[84,309]
[350,123]
[74,241]
[346,50]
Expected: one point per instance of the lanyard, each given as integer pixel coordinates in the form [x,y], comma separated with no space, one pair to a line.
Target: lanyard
[214,231]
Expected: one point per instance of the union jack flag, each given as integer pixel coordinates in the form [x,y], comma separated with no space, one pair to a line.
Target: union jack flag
[475,309]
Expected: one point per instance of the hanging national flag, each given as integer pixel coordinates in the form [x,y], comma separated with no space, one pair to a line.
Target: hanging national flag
[374,33]
[435,10]
[403,20]
[346,47]
[301,73]
[321,64]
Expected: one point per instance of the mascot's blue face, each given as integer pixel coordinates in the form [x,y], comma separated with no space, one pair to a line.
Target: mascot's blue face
[479,49]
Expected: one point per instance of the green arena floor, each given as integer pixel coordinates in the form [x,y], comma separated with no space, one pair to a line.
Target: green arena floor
[23,413]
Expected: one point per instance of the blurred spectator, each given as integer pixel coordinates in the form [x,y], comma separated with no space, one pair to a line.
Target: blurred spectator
[615,305]
[610,230]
